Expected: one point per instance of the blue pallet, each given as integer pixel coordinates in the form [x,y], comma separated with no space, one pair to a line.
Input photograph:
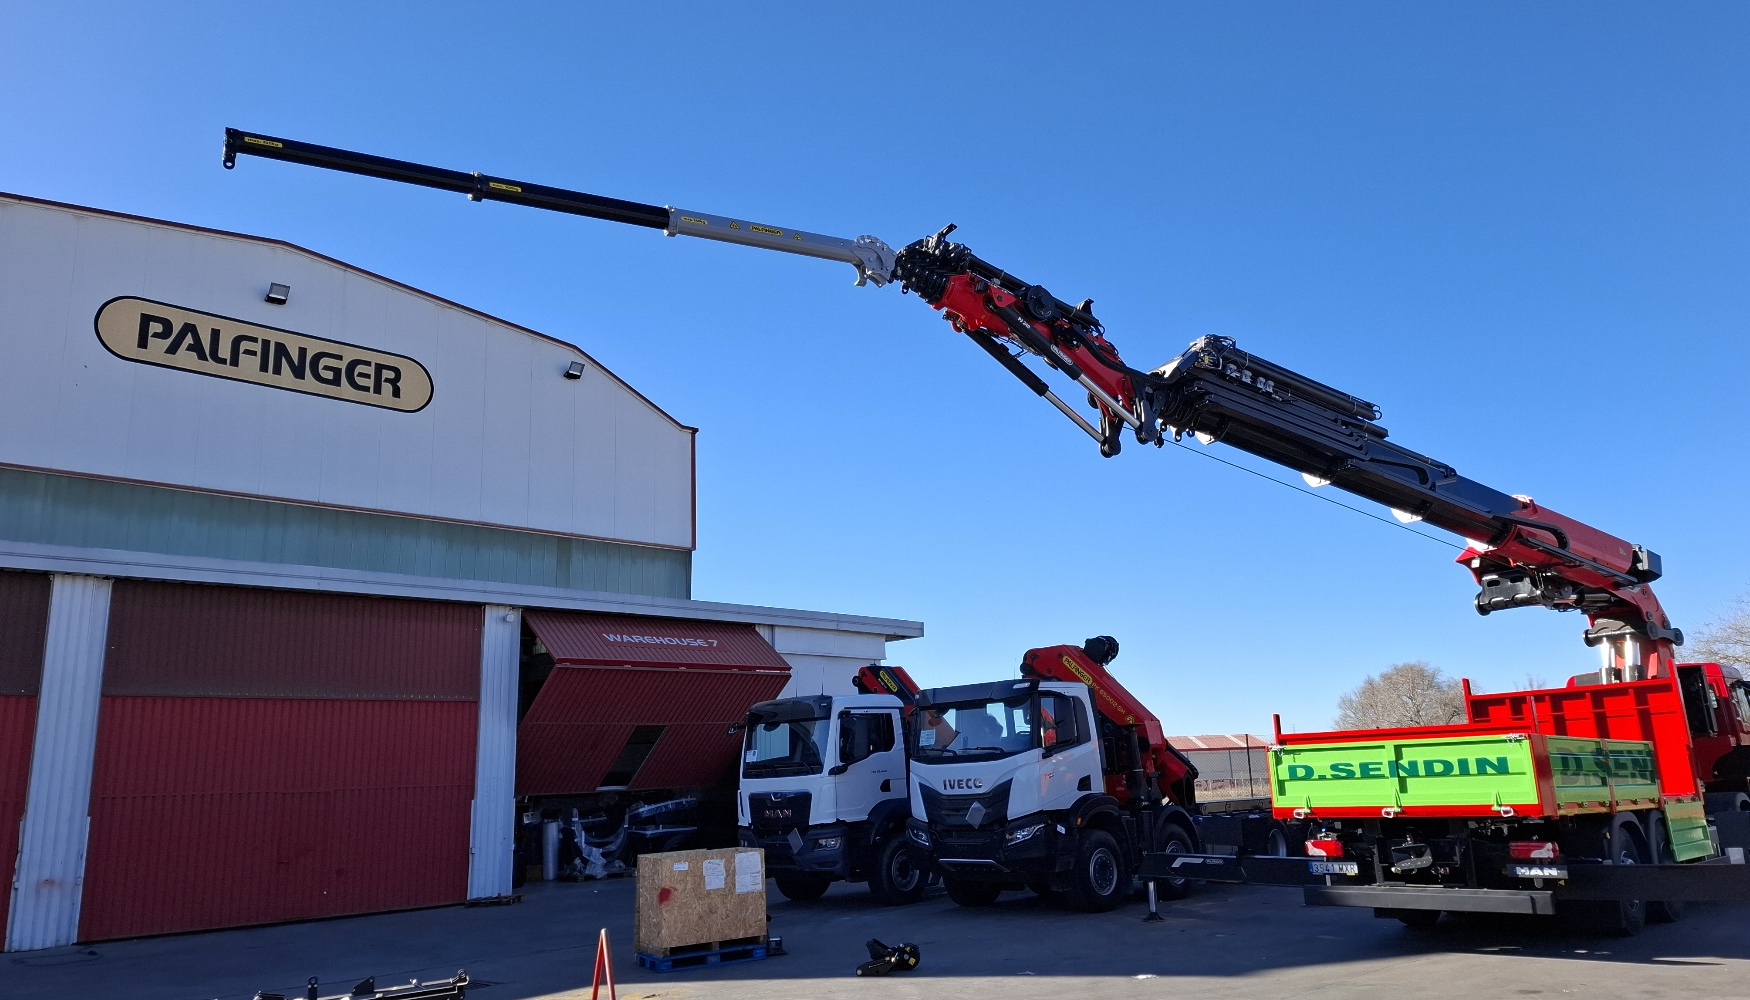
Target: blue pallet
[701,959]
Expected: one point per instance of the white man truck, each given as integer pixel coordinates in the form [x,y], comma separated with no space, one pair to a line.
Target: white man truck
[824,789]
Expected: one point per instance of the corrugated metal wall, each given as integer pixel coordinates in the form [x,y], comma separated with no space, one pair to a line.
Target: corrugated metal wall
[24,623]
[583,716]
[267,756]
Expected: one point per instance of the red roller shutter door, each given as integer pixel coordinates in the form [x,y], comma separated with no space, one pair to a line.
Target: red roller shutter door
[266,756]
[24,624]
[613,675]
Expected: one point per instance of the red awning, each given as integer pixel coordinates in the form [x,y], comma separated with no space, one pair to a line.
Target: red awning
[613,640]
[583,718]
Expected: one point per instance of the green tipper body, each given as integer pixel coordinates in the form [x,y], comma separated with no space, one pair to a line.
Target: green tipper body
[1464,775]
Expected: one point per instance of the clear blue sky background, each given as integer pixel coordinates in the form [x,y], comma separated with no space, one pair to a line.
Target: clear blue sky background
[1523,232]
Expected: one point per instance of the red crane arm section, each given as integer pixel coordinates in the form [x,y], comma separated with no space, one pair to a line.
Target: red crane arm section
[1112,701]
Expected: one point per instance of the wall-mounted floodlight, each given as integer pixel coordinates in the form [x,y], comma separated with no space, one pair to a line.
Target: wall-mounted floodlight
[277,293]
[575,370]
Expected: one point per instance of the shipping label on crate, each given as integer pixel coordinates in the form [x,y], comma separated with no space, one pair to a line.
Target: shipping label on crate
[749,876]
[714,876]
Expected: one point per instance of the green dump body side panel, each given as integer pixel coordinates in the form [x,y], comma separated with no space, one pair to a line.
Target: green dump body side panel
[1593,771]
[1469,773]
[1687,822]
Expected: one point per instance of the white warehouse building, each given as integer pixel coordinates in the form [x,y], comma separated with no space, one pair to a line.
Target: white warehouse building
[291,551]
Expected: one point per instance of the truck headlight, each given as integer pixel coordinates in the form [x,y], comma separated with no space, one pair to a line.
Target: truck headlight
[828,843]
[1019,834]
[918,836]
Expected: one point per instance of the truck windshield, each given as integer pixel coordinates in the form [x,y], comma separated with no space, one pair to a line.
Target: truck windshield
[979,730]
[784,749]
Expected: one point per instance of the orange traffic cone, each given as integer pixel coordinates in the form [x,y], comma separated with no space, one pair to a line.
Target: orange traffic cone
[604,968]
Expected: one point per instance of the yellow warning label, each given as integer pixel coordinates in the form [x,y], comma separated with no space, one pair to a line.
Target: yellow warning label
[512,188]
[696,222]
[732,225]
[768,230]
[264,142]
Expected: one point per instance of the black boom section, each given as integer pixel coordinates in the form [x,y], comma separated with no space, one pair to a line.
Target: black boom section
[477,186]
[1259,407]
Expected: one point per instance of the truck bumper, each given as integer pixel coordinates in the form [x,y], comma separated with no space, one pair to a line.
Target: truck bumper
[991,855]
[802,852]
[1418,897]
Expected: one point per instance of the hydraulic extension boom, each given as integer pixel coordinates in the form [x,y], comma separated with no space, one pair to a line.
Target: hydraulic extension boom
[1520,553]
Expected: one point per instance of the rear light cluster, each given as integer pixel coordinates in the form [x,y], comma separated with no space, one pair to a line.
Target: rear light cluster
[1324,847]
[1533,850]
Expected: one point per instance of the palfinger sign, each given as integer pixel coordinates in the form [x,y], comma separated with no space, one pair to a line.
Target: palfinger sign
[169,336]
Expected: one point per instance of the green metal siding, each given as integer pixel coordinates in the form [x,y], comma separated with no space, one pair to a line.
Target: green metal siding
[93,513]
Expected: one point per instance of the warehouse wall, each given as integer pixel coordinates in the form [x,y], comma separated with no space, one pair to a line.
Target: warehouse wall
[96,513]
[504,441]
[823,661]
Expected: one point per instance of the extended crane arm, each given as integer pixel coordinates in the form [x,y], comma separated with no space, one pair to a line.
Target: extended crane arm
[1521,554]
[872,258]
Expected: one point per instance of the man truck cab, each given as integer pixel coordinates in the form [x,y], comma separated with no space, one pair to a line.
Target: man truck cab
[824,792]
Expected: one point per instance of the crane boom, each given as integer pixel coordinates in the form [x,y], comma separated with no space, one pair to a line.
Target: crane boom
[872,257]
[1520,553]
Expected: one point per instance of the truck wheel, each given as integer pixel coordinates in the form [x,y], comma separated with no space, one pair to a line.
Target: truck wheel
[1662,911]
[899,875]
[1275,842]
[973,893]
[1416,919]
[1622,917]
[802,888]
[1172,839]
[1098,882]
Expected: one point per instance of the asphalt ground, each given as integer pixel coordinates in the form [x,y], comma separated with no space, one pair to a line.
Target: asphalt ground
[1223,942]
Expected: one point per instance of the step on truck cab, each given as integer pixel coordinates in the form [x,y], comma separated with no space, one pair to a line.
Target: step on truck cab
[824,793]
[1058,781]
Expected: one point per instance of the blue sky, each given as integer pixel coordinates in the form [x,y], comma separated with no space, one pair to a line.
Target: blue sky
[1523,231]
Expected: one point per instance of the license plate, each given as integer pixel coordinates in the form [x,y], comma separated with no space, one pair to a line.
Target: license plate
[1334,867]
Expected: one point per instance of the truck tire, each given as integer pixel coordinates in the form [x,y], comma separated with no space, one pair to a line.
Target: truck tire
[899,875]
[802,888]
[1622,917]
[1172,839]
[1719,802]
[1275,842]
[1098,881]
[1662,911]
[972,893]
[1419,920]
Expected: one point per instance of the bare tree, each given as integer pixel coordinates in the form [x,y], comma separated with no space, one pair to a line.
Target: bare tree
[1726,639]
[1404,694]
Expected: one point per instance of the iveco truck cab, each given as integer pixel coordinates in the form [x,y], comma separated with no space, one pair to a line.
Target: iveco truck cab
[824,792]
[1059,782]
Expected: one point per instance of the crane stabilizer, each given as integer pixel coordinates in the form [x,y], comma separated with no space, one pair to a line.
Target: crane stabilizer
[872,257]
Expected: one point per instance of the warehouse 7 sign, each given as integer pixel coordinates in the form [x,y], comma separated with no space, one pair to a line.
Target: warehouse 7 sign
[157,333]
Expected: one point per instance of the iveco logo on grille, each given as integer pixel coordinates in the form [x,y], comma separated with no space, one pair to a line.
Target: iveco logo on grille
[962,784]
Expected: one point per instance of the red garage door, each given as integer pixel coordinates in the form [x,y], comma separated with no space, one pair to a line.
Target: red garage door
[24,622]
[266,756]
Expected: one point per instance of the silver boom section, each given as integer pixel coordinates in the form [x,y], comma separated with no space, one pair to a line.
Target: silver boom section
[872,257]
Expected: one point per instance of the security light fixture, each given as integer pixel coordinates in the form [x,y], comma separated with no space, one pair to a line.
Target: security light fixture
[277,293]
[575,370]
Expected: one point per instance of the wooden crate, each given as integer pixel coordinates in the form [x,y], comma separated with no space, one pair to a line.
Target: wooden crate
[693,898]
